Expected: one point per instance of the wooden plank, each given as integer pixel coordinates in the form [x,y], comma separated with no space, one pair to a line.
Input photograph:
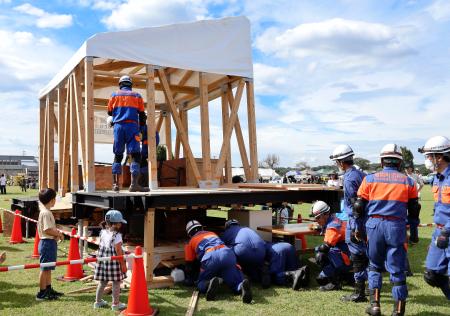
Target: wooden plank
[41,141]
[89,185]
[83,290]
[61,99]
[66,149]
[151,129]
[251,116]
[204,120]
[50,142]
[177,121]
[80,120]
[239,137]
[160,122]
[149,241]
[185,121]
[115,65]
[187,75]
[73,140]
[225,119]
[136,69]
[192,303]
[168,133]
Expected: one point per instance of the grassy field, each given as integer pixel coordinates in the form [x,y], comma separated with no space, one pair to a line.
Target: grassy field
[18,288]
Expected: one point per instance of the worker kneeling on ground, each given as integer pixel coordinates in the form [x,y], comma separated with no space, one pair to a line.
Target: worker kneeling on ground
[387,197]
[333,255]
[284,265]
[217,263]
[126,107]
[250,251]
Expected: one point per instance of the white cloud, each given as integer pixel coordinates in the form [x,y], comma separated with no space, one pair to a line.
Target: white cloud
[440,10]
[45,19]
[105,5]
[139,13]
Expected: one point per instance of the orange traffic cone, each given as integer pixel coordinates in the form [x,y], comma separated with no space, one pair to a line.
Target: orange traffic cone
[74,271]
[36,245]
[138,304]
[16,234]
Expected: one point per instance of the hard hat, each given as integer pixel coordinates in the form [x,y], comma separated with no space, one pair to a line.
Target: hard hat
[230,222]
[319,208]
[191,225]
[341,152]
[391,151]
[114,216]
[436,145]
[124,79]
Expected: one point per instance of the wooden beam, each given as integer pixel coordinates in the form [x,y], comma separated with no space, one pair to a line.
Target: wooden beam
[252,131]
[115,65]
[177,139]
[226,138]
[149,241]
[177,121]
[73,140]
[204,120]
[61,100]
[225,120]
[151,129]
[160,122]
[89,185]
[187,75]
[41,141]
[66,149]
[185,120]
[50,141]
[136,69]
[168,132]
[80,120]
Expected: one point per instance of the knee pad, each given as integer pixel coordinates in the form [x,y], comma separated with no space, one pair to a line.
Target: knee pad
[360,262]
[434,279]
[136,157]
[118,158]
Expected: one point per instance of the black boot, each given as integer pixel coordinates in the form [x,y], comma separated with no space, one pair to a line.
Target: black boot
[135,187]
[299,277]
[246,292]
[265,277]
[334,285]
[399,308]
[374,309]
[358,294]
[213,286]
[408,271]
[116,186]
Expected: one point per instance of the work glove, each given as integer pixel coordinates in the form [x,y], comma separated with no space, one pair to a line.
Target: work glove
[109,121]
[357,236]
[442,241]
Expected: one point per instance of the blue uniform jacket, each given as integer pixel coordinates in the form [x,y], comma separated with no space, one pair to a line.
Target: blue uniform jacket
[352,180]
[441,195]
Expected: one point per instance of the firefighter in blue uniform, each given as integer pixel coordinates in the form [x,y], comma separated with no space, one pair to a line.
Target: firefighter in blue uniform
[126,107]
[250,250]
[217,263]
[333,255]
[143,176]
[437,264]
[355,230]
[388,197]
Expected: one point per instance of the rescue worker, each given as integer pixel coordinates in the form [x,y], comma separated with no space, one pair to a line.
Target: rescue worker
[284,265]
[437,264]
[143,176]
[388,197]
[217,263]
[413,222]
[250,250]
[126,107]
[355,230]
[333,255]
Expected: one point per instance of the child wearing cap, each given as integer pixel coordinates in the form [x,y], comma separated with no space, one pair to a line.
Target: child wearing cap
[114,271]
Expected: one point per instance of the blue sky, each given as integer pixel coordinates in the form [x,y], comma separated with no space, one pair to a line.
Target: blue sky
[364,73]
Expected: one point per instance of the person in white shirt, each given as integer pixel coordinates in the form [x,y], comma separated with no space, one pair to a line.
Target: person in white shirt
[3,184]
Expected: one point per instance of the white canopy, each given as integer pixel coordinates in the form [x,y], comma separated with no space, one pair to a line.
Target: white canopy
[214,46]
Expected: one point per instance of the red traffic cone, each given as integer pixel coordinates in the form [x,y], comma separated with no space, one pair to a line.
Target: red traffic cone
[36,245]
[74,271]
[138,304]
[16,234]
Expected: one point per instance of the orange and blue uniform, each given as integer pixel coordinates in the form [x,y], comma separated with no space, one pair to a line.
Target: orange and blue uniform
[124,106]
[216,260]
[144,147]
[281,257]
[338,256]
[388,193]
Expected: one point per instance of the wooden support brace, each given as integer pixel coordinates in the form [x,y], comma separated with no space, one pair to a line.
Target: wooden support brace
[61,108]
[204,120]
[225,120]
[50,141]
[151,129]
[66,146]
[89,121]
[73,140]
[168,132]
[80,120]
[149,242]
[252,132]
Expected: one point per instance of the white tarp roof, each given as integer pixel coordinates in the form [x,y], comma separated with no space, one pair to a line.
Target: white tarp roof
[220,46]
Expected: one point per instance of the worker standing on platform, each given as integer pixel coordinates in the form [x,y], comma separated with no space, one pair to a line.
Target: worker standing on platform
[333,255]
[250,250]
[143,176]
[126,107]
[355,231]
[218,263]
[388,197]
[437,153]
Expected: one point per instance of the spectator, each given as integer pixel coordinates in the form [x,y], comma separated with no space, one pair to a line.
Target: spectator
[3,184]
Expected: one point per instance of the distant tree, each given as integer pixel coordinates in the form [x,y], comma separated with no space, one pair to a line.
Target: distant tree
[364,164]
[302,165]
[408,157]
[422,169]
[271,160]
[326,167]
[161,153]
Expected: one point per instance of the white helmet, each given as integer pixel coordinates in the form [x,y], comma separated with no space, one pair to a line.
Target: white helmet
[436,145]
[319,208]
[391,151]
[191,225]
[124,79]
[341,152]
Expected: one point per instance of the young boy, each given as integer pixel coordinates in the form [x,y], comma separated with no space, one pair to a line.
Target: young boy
[48,235]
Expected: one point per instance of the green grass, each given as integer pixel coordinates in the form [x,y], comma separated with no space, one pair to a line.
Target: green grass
[18,288]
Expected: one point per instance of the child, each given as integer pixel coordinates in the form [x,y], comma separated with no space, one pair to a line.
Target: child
[48,235]
[114,271]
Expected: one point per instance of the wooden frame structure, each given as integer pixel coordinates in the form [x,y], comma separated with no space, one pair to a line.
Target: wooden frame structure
[67,117]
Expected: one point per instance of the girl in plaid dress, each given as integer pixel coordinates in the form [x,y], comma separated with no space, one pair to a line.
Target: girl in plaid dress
[114,271]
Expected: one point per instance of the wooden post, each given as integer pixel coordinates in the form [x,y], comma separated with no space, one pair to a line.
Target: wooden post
[168,132]
[80,120]
[185,121]
[51,141]
[225,119]
[151,129]
[73,141]
[41,141]
[89,185]
[204,118]
[160,121]
[252,131]
[61,108]
[149,242]
[66,149]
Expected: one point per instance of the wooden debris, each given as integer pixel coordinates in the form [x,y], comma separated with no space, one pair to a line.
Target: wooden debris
[192,304]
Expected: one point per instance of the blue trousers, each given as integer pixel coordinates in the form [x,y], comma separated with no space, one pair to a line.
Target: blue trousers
[360,248]
[250,259]
[386,250]
[438,259]
[413,227]
[335,265]
[282,258]
[126,134]
[220,263]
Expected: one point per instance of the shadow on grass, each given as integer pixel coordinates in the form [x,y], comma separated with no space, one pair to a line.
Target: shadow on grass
[12,299]
[7,286]
[429,314]
[430,300]
[10,249]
